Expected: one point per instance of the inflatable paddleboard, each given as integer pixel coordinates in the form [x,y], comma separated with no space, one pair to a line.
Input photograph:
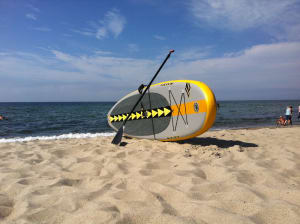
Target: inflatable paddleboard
[169,111]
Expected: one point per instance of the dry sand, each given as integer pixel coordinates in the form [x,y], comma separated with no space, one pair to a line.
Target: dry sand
[229,176]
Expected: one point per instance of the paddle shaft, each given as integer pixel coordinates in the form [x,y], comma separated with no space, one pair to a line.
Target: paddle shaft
[118,137]
[148,86]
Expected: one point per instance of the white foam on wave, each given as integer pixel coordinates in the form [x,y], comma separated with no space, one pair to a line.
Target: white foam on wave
[55,137]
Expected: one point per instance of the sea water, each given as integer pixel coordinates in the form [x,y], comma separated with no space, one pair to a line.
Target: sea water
[31,121]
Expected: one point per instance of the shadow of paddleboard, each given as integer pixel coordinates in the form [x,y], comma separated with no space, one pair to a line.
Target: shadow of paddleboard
[221,143]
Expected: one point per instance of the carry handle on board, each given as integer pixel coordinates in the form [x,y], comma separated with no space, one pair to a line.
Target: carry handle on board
[118,137]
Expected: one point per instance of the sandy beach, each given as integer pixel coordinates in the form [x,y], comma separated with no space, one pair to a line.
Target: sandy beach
[228,176]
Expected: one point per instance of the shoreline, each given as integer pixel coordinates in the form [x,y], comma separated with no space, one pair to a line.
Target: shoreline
[108,134]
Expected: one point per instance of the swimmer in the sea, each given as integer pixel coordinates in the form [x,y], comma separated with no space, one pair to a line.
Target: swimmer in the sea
[2,118]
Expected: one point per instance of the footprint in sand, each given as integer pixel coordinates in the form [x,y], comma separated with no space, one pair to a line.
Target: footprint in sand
[49,214]
[167,208]
[85,159]
[146,172]
[24,155]
[199,173]
[122,185]
[67,182]
[158,165]
[249,178]
[96,194]
[60,153]
[196,196]
[269,164]
[6,206]
[27,181]
[121,155]
[169,155]
[183,173]
[123,167]
[112,209]
[98,151]
[152,166]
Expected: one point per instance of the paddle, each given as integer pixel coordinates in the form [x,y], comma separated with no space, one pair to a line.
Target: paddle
[118,137]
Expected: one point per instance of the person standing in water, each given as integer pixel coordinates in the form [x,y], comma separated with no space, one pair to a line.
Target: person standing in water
[288,115]
[291,108]
[299,112]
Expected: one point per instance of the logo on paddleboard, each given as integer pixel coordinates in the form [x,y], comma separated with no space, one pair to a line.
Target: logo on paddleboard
[196,107]
[188,89]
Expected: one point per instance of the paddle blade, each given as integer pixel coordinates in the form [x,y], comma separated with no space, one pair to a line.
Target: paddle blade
[118,137]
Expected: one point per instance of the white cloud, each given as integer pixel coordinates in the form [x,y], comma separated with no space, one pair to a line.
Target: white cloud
[100,52]
[105,67]
[133,47]
[112,24]
[193,54]
[268,71]
[248,74]
[101,33]
[158,37]
[62,56]
[243,14]
[31,16]
[33,8]
[83,32]
[97,77]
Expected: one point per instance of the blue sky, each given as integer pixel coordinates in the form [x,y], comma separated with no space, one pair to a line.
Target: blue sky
[100,50]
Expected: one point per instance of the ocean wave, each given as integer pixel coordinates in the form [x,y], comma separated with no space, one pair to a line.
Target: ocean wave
[55,137]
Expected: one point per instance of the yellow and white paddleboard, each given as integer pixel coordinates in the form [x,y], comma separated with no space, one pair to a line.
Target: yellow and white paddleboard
[169,111]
